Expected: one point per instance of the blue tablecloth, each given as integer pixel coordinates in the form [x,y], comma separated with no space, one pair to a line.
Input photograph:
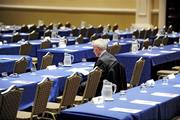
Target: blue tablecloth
[152,58]
[28,81]
[161,102]
[7,62]
[78,51]
[8,37]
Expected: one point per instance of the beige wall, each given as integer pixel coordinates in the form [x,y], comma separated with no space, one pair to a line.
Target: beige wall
[94,12]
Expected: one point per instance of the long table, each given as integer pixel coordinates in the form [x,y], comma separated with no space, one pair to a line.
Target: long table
[7,62]
[29,81]
[160,102]
[78,51]
[152,58]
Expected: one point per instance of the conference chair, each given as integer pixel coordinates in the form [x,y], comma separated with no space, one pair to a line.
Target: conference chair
[146,43]
[91,86]
[33,35]
[20,66]
[90,31]
[105,36]
[46,60]
[69,94]
[148,33]
[170,29]
[68,24]
[45,44]
[83,31]
[114,49]
[24,29]
[16,37]
[163,73]
[137,72]
[25,49]
[142,33]
[93,37]
[9,102]
[50,26]
[75,31]
[32,27]
[136,34]
[40,101]
[99,29]
[157,41]
[154,31]
[115,27]
[165,40]
[79,39]
[47,33]
[59,25]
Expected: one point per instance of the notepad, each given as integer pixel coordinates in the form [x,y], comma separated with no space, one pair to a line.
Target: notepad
[80,70]
[70,50]
[144,102]
[164,51]
[161,94]
[128,110]
[51,76]
[87,47]
[21,82]
[175,49]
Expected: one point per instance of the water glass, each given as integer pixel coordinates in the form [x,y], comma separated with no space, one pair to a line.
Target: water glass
[165,80]
[4,41]
[143,88]
[54,45]
[175,44]
[4,75]
[149,48]
[84,60]
[123,95]
[161,46]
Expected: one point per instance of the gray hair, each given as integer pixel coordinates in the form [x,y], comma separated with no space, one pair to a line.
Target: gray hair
[100,43]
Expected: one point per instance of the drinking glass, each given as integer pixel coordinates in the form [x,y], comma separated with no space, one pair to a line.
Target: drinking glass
[165,80]
[123,95]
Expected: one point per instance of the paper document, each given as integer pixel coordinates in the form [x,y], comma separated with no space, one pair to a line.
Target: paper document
[84,71]
[127,110]
[175,49]
[171,95]
[90,47]
[144,102]
[70,50]
[164,51]
[176,85]
[21,82]
[150,54]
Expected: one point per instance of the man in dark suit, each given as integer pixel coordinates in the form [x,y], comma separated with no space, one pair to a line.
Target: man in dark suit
[112,70]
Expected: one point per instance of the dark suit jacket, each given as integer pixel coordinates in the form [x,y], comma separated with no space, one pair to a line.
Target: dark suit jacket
[113,71]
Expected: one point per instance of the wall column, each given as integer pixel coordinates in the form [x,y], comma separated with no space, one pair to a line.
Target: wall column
[162,13]
[143,13]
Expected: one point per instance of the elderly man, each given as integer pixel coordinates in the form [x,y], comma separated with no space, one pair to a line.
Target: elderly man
[113,71]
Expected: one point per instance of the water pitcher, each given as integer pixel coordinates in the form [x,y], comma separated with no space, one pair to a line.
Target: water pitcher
[108,89]
[68,59]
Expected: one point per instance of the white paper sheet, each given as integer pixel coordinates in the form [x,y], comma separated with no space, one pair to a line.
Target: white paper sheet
[84,70]
[50,76]
[164,51]
[175,49]
[144,102]
[161,94]
[21,82]
[176,85]
[128,110]
[70,50]
[150,54]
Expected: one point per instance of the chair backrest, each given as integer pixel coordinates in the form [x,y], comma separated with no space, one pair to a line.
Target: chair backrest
[9,103]
[70,90]
[93,37]
[33,35]
[92,83]
[47,33]
[41,97]
[114,49]
[146,43]
[136,33]
[115,27]
[20,65]
[170,29]
[105,36]
[46,60]
[45,44]
[24,29]
[16,37]
[142,33]
[83,31]
[79,39]
[68,24]
[59,25]
[32,27]
[90,31]
[50,26]
[165,40]
[154,31]
[157,41]
[99,29]
[137,71]
[75,31]
[148,33]
[25,49]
